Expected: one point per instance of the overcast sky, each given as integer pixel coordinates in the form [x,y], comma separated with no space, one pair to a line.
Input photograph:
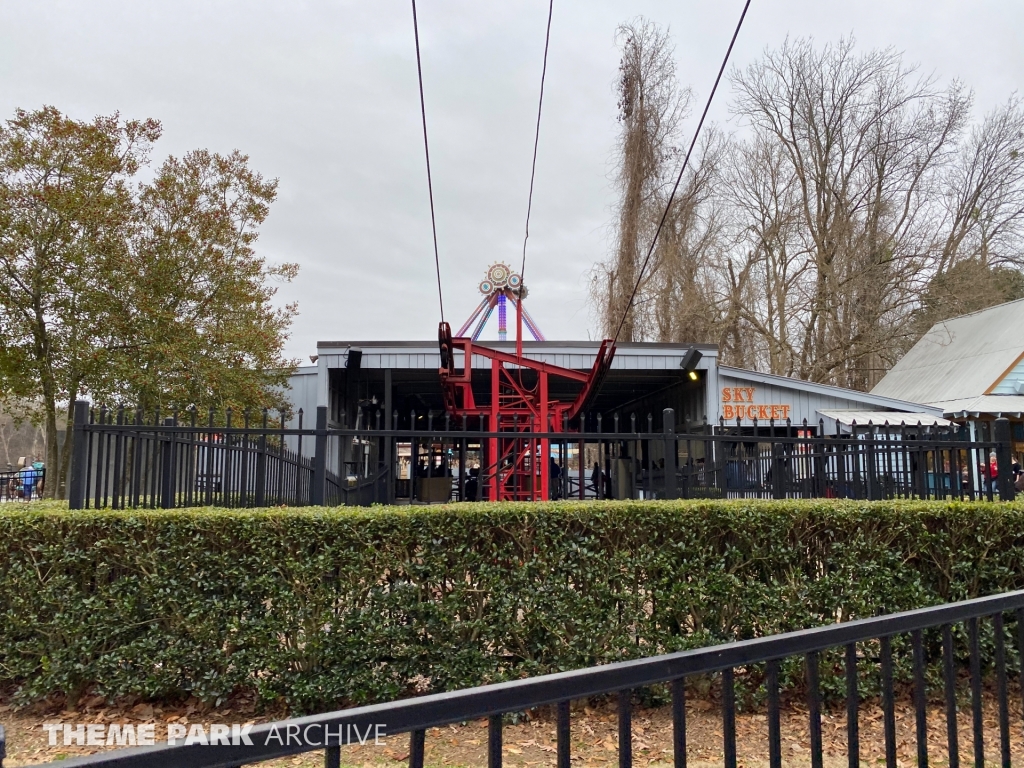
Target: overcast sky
[322,96]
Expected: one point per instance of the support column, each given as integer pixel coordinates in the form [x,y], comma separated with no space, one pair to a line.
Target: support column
[390,442]
[493,441]
[973,454]
[545,444]
[519,325]
[318,491]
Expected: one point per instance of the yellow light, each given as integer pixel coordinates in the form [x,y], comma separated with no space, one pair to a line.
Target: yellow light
[693,376]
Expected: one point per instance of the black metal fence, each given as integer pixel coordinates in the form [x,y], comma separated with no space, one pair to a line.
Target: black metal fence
[859,651]
[22,485]
[129,459]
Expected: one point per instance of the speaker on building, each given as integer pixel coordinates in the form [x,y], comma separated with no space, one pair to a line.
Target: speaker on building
[354,359]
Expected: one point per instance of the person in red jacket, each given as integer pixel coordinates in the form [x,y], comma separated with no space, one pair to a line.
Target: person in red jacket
[990,473]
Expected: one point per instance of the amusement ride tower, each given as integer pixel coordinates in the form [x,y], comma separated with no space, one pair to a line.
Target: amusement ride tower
[515,405]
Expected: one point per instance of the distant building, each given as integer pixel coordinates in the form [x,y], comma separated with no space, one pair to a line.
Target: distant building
[971,368]
[356,379]
[395,385]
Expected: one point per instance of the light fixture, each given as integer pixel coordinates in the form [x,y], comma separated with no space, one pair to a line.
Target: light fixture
[689,362]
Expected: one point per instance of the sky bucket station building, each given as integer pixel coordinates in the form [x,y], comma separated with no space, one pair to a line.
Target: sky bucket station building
[516,385]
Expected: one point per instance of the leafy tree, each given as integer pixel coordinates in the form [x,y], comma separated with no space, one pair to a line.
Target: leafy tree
[66,209]
[147,294]
[196,324]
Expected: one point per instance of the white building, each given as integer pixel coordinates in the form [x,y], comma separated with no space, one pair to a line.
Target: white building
[971,368]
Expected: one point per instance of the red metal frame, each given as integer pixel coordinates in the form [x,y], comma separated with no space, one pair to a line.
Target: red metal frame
[516,468]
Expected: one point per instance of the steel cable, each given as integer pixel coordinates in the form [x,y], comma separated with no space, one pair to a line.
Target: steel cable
[426,150]
[536,138]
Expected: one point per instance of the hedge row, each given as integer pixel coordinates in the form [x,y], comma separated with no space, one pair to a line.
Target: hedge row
[321,607]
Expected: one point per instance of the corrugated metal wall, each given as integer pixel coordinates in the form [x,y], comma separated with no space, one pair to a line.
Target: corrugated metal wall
[802,404]
[302,394]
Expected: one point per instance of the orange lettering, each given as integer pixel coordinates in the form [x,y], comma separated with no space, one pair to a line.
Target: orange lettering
[738,394]
[726,394]
[785,411]
[762,411]
[776,411]
[750,394]
[727,412]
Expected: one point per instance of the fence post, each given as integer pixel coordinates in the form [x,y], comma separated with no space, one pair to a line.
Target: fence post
[167,469]
[820,476]
[1004,461]
[668,420]
[778,472]
[260,492]
[317,492]
[76,486]
[873,491]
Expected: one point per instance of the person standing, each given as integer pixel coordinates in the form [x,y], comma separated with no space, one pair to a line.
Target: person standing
[40,469]
[990,473]
[28,480]
[554,475]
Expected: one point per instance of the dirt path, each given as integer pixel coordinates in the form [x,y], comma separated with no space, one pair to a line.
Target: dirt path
[532,743]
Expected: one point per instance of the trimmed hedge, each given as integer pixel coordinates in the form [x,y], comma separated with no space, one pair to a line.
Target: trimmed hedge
[321,607]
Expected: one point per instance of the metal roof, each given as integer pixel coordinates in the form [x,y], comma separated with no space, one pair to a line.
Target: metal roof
[984,405]
[871,399]
[580,355]
[879,418]
[959,358]
[635,346]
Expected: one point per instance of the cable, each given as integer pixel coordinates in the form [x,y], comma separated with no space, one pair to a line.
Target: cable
[426,150]
[536,138]
[679,179]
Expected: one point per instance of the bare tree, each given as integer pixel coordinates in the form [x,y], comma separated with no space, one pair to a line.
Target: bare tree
[677,301]
[651,104]
[764,194]
[984,197]
[981,249]
[864,138]
[855,206]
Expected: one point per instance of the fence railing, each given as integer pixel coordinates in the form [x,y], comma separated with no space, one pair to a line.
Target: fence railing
[859,650]
[17,485]
[127,459]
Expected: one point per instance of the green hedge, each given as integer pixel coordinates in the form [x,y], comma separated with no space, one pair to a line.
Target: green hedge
[322,607]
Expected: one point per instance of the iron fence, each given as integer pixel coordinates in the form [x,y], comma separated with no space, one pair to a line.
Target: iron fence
[130,459]
[856,649]
[19,485]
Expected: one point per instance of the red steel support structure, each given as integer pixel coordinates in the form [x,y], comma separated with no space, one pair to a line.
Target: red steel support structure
[516,468]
